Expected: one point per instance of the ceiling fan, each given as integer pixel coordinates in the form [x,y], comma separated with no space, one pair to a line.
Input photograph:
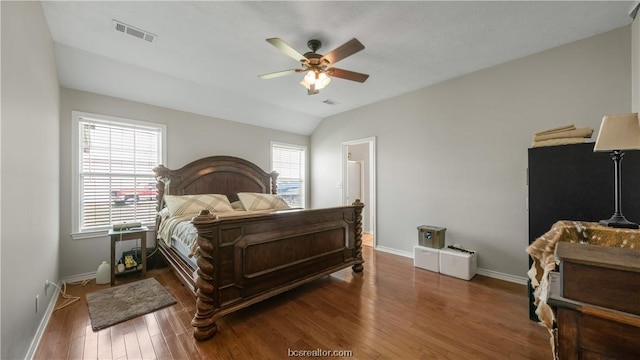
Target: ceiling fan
[317,66]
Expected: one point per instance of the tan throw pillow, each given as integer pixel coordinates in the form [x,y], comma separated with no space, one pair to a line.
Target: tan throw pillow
[258,201]
[237,205]
[192,204]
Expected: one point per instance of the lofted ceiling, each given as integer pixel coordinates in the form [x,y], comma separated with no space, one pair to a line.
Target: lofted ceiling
[206,56]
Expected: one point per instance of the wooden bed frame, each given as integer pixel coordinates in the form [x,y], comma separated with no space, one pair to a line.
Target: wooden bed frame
[244,260]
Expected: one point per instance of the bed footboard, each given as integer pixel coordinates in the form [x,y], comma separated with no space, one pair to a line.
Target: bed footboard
[245,260]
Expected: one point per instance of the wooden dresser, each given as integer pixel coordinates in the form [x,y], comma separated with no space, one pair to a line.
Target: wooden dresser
[596,297]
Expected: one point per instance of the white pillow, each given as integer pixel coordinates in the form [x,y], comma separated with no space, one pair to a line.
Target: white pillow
[237,205]
[164,213]
[258,201]
[193,204]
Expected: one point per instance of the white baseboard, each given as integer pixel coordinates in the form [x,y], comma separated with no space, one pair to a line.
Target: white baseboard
[43,324]
[490,273]
[394,251]
[79,278]
[502,276]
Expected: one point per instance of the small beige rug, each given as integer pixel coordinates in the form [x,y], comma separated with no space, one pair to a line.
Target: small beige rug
[114,305]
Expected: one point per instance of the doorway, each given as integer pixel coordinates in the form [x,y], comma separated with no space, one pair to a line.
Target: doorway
[359,179]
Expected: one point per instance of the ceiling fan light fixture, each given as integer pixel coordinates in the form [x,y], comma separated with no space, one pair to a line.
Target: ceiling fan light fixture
[310,77]
[311,88]
[318,73]
[305,83]
[322,80]
[314,81]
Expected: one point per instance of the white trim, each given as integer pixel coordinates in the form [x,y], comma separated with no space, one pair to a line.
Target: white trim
[489,273]
[75,174]
[78,278]
[394,251]
[43,325]
[371,141]
[89,235]
[502,276]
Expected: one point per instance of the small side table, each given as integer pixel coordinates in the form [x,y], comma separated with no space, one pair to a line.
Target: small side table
[133,234]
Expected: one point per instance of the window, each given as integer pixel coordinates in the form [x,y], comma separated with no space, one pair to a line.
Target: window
[289,162]
[113,176]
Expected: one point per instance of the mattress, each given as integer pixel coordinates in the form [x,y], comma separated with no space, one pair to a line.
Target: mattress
[184,251]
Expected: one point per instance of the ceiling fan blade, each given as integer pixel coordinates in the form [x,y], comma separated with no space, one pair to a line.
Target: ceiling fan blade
[278,74]
[347,49]
[286,48]
[347,75]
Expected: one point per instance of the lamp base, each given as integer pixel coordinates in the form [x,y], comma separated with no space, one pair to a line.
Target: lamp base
[619,221]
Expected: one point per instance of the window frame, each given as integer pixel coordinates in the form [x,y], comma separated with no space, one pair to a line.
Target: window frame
[76,117]
[303,171]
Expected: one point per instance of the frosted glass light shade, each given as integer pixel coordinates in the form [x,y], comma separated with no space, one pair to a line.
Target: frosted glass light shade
[310,78]
[322,81]
[618,132]
[317,80]
[103,275]
[305,84]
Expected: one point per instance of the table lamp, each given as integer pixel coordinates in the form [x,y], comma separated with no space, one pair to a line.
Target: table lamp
[618,132]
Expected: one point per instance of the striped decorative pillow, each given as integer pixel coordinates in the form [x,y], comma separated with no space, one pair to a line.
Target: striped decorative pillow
[258,201]
[192,204]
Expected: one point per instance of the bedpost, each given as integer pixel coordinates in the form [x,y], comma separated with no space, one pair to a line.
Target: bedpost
[358,236]
[162,181]
[274,182]
[206,293]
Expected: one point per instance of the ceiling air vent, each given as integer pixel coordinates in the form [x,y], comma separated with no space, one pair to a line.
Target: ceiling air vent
[331,102]
[128,29]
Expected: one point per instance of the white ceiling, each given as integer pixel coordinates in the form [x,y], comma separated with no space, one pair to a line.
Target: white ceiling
[207,55]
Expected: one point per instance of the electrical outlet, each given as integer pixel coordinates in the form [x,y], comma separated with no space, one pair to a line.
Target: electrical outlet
[46,287]
[37,300]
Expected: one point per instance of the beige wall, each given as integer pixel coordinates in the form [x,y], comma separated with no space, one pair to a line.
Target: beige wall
[189,137]
[455,154]
[30,175]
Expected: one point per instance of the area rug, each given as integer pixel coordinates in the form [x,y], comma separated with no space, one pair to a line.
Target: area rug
[114,305]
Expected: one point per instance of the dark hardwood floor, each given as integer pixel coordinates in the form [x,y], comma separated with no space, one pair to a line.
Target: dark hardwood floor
[390,311]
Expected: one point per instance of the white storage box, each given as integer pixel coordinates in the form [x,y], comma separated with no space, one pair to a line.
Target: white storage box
[426,258]
[458,264]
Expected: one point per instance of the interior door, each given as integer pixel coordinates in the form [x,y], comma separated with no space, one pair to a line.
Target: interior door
[354,181]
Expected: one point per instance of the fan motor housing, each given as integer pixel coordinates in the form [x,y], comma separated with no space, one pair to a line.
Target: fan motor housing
[314,44]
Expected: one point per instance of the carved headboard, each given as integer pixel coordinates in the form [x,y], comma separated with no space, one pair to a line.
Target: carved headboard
[226,175]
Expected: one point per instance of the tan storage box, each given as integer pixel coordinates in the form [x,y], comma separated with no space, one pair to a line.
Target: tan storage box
[431,236]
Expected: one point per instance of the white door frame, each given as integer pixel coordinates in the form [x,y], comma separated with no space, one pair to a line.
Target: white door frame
[370,208]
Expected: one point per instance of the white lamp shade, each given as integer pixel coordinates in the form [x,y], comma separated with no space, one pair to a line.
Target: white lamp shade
[618,132]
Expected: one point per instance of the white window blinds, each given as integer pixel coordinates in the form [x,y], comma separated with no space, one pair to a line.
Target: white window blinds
[116,182]
[289,162]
